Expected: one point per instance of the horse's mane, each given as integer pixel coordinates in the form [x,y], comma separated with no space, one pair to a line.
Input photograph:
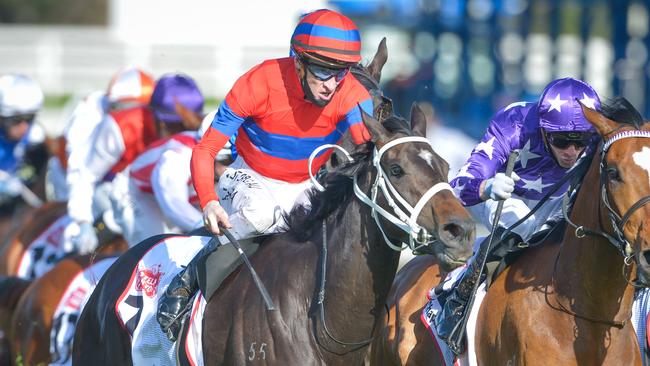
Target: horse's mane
[620,110]
[363,76]
[302,221]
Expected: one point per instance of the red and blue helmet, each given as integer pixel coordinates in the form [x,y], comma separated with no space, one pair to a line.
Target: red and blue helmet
[559,110]
[328,38]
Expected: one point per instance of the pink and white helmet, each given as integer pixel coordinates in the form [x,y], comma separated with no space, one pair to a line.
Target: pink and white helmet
[130,87]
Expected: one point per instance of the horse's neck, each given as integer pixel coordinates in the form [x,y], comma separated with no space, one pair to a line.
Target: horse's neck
[588,272]
[360,271]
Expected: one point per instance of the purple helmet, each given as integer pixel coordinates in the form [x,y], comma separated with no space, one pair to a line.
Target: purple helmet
[559,110]
[173,88]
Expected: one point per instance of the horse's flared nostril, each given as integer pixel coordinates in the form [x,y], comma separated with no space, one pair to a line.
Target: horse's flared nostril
[453,231]
[457,231]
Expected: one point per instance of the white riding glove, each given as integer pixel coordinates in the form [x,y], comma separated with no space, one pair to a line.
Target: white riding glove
[213,215]
[11,186]
[79,237]
[500,187]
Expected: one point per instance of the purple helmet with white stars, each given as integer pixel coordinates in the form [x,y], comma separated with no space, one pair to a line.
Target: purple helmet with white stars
[559,110]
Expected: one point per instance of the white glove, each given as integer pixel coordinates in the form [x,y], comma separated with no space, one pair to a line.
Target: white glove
[500,187]
[80,238]
[11,186]
[213,215]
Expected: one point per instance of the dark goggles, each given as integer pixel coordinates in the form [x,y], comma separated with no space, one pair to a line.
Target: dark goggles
[15,120]
[325,73]
[562,140]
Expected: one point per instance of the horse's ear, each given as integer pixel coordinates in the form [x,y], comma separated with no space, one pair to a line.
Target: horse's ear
[418,120]
[602,124]
[382,107]
[377,131]
[377,63]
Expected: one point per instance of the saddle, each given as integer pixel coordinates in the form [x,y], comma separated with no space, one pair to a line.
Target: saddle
[216,266]
[507,252]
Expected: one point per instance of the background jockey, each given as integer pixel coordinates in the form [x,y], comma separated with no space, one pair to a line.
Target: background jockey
[155,195]
[128,88]
[22,150]
[550,135]
[118,139]
[282,109]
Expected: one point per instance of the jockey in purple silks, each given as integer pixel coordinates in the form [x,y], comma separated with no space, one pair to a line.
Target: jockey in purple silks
[550,135]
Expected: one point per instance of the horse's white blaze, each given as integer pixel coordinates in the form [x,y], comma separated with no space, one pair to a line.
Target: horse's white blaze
[427,156]
[642,159]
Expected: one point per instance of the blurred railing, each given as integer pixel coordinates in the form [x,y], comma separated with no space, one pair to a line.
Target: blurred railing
[73,60]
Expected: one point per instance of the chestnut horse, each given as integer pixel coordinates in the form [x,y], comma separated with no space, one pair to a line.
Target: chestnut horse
[31,324]
[353,279]
[402,338]
[12,288]
[563,302]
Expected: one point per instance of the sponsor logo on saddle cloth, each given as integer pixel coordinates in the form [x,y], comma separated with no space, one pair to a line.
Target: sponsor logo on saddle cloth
[66,315]
[147,279]
[136,307]
[433,307]
[44,252]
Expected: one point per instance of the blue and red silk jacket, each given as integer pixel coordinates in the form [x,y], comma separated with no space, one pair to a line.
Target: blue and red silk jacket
[277,127]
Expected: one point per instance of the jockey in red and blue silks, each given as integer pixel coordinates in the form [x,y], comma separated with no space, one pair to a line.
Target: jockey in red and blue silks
[21,140]
[282,110]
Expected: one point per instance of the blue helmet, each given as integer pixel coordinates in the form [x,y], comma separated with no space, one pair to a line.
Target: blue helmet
[559,110]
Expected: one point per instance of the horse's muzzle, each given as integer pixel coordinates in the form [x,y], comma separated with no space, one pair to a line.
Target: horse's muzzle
[455,244]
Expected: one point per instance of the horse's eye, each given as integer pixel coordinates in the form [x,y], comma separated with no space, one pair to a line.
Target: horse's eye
[396,171]
[612,174]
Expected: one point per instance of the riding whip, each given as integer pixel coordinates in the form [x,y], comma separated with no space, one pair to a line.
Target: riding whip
[256,279]
[456,337]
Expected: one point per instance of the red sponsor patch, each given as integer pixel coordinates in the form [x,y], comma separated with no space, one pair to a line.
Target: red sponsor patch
[147,280]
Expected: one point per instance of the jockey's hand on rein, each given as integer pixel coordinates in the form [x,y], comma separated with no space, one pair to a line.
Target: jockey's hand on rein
[500,187]
[213,215]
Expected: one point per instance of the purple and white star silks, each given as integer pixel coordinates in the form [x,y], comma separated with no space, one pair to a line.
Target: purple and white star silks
[517,127]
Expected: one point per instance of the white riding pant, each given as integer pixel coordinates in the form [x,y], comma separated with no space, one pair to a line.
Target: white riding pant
[514,209]
[137,213]
[255,203]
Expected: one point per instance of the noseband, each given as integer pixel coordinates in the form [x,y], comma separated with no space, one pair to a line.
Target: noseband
[618,222]
[419,237]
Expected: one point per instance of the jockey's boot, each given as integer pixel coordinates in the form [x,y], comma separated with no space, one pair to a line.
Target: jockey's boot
[449,320]
[174,301]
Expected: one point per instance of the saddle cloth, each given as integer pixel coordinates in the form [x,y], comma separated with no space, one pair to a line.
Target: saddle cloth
[45,251]
[190,345]
[66,315]
[640,309]
[433,307]
[137,305]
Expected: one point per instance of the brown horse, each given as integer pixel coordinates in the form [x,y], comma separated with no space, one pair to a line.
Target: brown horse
[31,324]
[566,301]
[15,245]
[12,288]
[402,338]
[354,278]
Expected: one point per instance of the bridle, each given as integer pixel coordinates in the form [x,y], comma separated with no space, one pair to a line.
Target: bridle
[618,222]
[419,237]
